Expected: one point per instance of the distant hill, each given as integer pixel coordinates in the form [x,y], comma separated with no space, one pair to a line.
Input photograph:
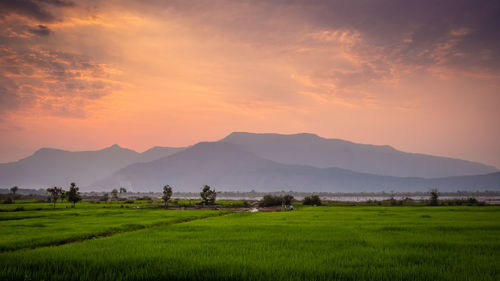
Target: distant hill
[245,161]
[310,149]
[49,167]
[157,152]
[228,166]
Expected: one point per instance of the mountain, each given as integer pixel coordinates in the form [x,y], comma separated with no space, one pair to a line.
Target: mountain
[245,161]
[229,166]
[310,149]
[157,152]
[49,167]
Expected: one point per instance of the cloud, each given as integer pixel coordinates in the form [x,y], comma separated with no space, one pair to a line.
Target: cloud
[54,82]
[40,30]
[37,10]
[406,31]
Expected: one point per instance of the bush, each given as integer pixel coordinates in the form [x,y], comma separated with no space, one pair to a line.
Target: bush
[469,202]
[104,197]
[312,200]
[275,200]
[434,197]
[393,201]
[8,201]
[288,199]
[270,200]
[472,200]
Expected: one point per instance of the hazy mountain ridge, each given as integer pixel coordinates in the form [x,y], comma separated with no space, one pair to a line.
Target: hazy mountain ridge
[245,161]
[49,166]
[310,149]
[158,152]
[228,166]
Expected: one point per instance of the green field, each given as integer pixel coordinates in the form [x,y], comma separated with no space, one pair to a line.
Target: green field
[34,228]
[312,243]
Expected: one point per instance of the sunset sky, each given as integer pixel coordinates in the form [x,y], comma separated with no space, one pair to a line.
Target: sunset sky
[422,76]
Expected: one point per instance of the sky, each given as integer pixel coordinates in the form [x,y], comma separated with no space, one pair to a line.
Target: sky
[422,76]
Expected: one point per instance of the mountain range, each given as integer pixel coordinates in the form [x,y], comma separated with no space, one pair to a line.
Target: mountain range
[244,161]
[55,167]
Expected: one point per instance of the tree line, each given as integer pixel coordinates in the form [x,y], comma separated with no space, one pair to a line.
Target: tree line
[208,195]
[72,195]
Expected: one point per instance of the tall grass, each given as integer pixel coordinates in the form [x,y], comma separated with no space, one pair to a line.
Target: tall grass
[51,227]
[315,243]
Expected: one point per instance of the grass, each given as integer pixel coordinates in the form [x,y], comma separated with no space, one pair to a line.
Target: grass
[313,243]
[25,229]
[26,205]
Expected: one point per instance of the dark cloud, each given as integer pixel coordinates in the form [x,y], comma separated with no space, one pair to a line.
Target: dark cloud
[38,10]
[60,83]
[414,30]
[40,30]
[465,33]
[58,3]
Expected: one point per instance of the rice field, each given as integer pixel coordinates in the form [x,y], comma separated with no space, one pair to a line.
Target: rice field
[312,243]
[34,228]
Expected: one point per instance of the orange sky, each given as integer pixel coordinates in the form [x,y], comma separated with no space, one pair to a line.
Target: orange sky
[85,75]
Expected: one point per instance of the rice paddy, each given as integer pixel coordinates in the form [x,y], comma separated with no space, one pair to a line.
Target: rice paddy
[312,243]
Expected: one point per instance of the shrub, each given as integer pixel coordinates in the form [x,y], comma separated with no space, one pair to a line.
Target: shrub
[275,200]
[271,200]
[433,201]
[312,200]
[288,199]
[472,200]
[104,197]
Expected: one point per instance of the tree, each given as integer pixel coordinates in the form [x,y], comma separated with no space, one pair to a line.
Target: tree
[104,197]
[13,190]
[433,201]
[114,194]
[55,192]
[208,195]
[73,194]
[62,195]
[288,199]
[167,193]
[123,190]
[312,200]
[271,200]
[276,200]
